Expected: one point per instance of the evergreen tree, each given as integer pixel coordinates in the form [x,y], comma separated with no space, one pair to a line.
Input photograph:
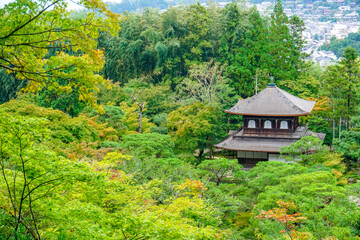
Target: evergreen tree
[285,46]
[9,86]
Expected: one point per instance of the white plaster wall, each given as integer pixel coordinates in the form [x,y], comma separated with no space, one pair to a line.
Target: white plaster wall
[255,155]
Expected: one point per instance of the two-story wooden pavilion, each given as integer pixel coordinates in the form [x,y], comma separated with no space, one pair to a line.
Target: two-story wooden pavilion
[270,122]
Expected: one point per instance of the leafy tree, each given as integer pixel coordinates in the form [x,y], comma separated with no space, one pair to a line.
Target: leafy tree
[266,174]
[149,145]
[219,169]
[349,143]
[131,119]
[310,151]
[94,194]
[195,41]
[112,117]
[340,83]
[230,19]
[308,84]
[27,173]
[64,129]
[287,221]
[228,199]
[318,198]
[206,83]
[193,127]
[68,103]
[37,27]
[351,64]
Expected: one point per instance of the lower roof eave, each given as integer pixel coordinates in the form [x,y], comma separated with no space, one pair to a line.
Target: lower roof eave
[247,150]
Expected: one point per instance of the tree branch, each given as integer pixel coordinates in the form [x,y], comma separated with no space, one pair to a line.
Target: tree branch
[29,21]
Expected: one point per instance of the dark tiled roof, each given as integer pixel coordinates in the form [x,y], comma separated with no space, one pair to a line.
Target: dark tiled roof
[272,101]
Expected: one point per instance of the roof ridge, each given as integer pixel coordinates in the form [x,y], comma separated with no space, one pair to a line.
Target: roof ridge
[286,94]
[288,100]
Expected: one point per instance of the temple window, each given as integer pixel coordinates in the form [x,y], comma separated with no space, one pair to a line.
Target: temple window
[284,125]
[251,124]
[267,124]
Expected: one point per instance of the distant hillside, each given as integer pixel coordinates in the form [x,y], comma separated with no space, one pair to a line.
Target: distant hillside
[134,5]
[337,46]
[131,6]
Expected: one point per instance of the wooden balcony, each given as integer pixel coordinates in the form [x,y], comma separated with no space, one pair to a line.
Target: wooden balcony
[265,131]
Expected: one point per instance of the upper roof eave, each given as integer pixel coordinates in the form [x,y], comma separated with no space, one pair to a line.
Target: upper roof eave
[268,115]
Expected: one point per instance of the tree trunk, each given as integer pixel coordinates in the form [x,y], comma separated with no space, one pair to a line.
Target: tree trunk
[211,147]
[141,108]
[348,111]
[334,123]
[340,128]
[140,118]
[228,125]
[218,182]
[347,164]
[201,152]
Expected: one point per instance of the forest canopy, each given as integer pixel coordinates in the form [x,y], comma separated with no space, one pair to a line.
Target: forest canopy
[108,125]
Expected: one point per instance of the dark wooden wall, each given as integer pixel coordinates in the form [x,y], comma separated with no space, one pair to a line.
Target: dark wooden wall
[293,123]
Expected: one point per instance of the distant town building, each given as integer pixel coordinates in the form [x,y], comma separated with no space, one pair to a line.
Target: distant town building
[344,8]
[354,16]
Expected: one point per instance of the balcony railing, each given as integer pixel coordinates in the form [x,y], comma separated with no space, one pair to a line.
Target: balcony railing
[268,131]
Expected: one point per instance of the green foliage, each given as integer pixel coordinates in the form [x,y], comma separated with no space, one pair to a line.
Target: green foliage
[219,169]
[316,195]
[308,84]
[28,172]
[340,83]
[317,198]
[227,198]
[148,145]
[159,99]
[64,129]
[112,117]
[93,199]
[285,46]
[9,86]
[68,103]
[193,126]
[308,149]
[269,174]
[350,141]
[110,94]
[206,84]
[183,65]
[247,46]
[39,27]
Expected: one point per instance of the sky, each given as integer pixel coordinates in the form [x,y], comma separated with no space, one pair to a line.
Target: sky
[71,5]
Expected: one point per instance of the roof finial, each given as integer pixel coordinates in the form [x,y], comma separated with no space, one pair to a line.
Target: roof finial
[272,84]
